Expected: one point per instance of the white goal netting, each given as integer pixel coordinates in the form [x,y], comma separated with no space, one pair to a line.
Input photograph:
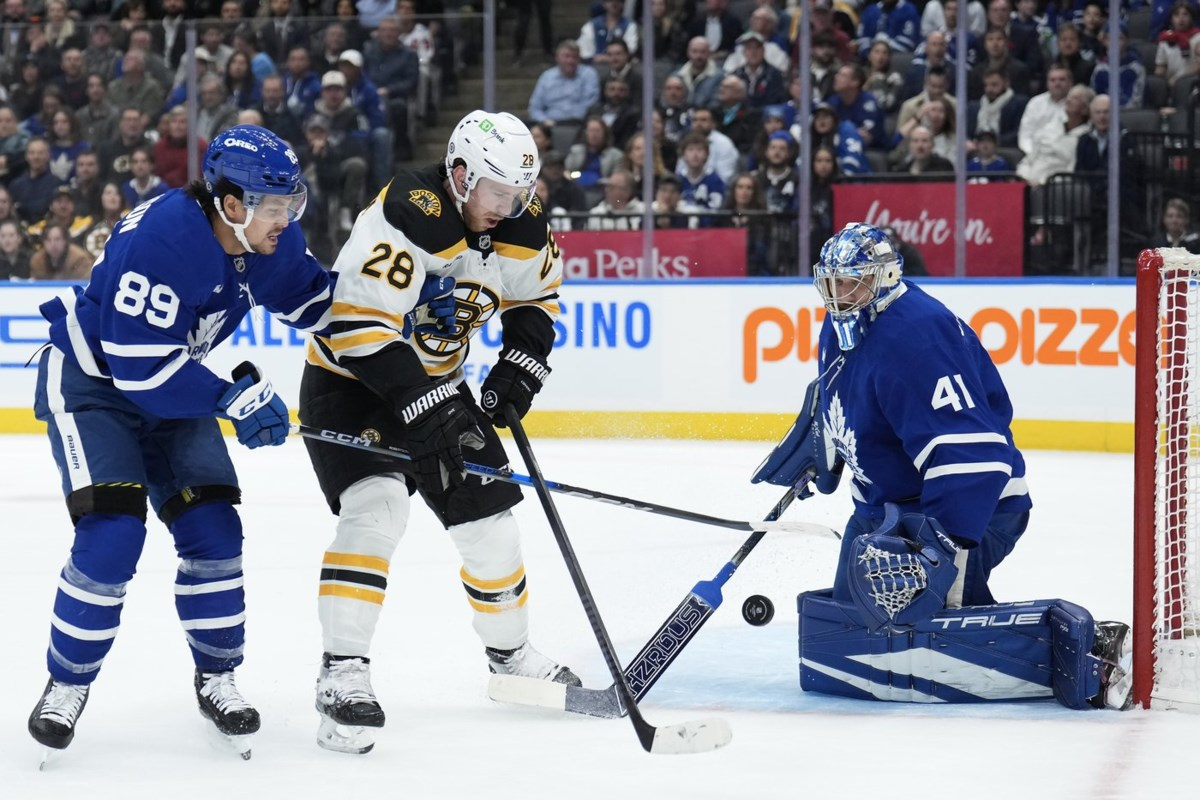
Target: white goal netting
[1167,576]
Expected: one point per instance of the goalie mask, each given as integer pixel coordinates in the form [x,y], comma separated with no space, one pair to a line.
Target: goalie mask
[501,162]
[857,272]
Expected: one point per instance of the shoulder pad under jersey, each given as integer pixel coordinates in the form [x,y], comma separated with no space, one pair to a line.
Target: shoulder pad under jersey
[417,204]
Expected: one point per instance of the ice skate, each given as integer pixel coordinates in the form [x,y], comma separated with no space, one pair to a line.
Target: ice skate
[527,662]
[347,704]
[1112,646]
[233,718]
[53,720]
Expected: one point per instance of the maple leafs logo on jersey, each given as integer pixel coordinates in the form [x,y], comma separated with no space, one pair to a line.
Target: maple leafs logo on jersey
[843,438]
[201,340]
[427,201]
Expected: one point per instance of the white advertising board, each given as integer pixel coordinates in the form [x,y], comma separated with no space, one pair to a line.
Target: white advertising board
[706,354]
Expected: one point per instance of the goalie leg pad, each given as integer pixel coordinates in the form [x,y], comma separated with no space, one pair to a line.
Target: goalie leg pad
[1009,651]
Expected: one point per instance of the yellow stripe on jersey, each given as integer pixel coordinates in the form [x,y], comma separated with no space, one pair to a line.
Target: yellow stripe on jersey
[340,343]
[451,251]
[318,358]
[354,560]
[550,307]
[492,608]
[351,593]
[515,251]
[495,584]
[342,310]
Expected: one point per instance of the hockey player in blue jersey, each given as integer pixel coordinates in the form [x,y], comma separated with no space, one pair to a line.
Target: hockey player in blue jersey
[909,403]
[132,412]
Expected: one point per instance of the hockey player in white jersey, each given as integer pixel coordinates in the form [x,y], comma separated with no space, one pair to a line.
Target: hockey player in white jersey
[131,413]
[908,402]
[433,257]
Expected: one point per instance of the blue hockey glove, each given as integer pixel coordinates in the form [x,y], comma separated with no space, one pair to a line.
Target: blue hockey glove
[804,451]
[515,379]
[259,416]
[437,295]
[902,573]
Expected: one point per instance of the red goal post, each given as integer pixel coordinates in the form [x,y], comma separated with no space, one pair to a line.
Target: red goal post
[1166,603]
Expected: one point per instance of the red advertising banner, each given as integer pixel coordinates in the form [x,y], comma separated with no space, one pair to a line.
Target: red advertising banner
[923,215]
[706,253]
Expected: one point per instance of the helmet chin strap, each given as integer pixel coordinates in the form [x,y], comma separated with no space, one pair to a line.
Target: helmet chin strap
[239,228]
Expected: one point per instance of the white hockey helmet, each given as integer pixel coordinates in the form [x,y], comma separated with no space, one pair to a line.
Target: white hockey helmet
[498,148]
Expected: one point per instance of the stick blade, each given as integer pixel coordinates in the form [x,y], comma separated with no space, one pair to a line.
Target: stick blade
[699,736]
[523,691]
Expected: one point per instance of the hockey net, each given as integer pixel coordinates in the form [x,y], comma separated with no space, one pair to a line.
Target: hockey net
[1166,625]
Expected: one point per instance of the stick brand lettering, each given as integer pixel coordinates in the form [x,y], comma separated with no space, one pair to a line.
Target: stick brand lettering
[667,643]
[427,401]
[528,363]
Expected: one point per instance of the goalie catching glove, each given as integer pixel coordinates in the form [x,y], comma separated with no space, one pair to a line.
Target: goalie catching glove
[903,572]
[805,452]
[259,416]
[515,379]
[437,424]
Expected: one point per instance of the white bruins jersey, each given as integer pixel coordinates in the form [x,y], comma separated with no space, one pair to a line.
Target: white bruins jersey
[412,230]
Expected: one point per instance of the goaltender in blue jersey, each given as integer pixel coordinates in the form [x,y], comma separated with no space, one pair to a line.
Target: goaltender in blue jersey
[132,411]
[910,406]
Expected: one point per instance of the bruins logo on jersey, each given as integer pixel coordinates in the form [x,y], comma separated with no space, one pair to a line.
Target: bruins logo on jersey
[535,205]
[475,304]
[427,201]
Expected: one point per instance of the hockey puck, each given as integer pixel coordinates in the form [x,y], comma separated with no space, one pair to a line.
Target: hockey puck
[758,610]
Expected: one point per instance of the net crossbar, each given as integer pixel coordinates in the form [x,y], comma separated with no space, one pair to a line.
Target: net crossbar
[1167,481]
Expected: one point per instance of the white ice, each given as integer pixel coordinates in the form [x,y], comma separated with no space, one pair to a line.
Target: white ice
[142,737]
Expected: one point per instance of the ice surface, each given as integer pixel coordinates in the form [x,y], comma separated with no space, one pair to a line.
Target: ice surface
[142,737]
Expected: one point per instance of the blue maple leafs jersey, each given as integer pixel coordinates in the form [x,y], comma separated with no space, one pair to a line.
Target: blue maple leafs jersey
[164,293]
[919,413]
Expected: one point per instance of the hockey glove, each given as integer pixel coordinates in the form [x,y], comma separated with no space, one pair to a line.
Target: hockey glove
[515,379]
[902,573]
[259,416]
[437,424]
[804,452]
[437,295]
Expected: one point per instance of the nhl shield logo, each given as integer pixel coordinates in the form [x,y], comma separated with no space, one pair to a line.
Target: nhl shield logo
[239,263]
[485,242]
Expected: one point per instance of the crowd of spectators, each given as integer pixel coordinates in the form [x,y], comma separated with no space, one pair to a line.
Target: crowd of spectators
[884,100]
[94,99]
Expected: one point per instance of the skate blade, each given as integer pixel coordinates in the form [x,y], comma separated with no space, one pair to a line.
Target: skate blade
[353,739]
[49,758]
[224,742]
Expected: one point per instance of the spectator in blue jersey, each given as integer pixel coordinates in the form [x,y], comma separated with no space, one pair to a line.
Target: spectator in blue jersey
[565,91]
[861,108]
[143,184]
[1131,73]
[245,41]
[778,177]
[985,158]
[301,83]
[829,129]
[598,31]
[593,160]
[131,413]
[242,86]
[702,188]
[897,22]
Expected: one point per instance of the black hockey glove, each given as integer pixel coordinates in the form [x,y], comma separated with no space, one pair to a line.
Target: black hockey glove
[437,425]
[515,379]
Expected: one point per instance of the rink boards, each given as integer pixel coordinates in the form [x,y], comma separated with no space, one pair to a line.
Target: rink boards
[724,359]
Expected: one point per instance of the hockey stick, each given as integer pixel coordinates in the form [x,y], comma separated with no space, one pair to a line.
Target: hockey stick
[687,737]
[664,646]
[508,476]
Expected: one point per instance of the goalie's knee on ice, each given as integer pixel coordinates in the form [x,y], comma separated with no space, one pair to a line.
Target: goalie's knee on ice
[1009,651]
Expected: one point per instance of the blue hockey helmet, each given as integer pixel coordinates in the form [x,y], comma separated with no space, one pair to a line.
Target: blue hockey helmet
[262,166]
[858,268]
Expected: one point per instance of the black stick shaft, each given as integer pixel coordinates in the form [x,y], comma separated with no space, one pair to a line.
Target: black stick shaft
[645,731]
